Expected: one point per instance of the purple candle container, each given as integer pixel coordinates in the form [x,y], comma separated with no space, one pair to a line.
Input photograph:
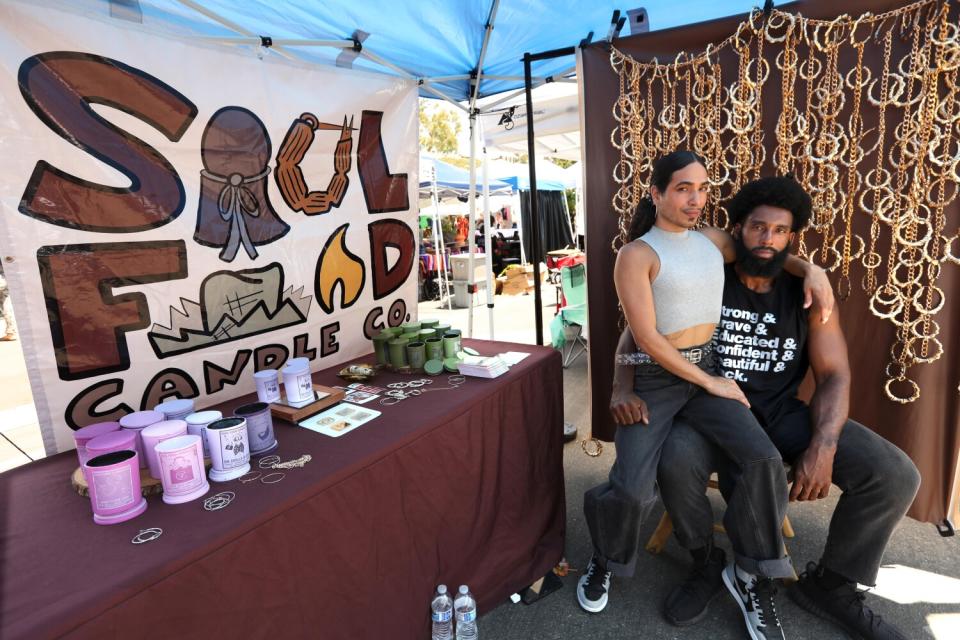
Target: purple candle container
[197,425]
[229,449]
[259,427]
[137,421]
[121,440]
[82,436]
[114,483]
[181,469]
[154,435]
[176,409]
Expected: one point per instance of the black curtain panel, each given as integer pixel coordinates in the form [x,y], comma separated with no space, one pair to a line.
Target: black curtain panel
[554,223]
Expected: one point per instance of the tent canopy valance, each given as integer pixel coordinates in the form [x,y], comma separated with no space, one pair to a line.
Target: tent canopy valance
[550,177]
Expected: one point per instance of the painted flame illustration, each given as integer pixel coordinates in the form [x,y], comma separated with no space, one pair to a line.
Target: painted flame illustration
[337,265]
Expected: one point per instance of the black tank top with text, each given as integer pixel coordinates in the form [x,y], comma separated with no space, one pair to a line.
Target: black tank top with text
[761,342]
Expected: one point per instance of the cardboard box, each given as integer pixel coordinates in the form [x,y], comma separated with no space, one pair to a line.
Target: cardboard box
[519,280]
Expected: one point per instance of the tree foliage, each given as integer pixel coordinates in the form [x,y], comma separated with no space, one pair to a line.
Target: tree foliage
[439,129]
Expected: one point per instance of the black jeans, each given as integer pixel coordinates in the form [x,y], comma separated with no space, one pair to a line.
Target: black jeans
[615,509]
[878,482]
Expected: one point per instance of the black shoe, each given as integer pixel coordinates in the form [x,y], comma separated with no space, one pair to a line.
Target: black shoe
[844,606]
[756,597]
[687,603]
[593,587]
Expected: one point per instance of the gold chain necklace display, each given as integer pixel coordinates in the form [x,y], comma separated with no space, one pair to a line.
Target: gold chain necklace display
[881,141]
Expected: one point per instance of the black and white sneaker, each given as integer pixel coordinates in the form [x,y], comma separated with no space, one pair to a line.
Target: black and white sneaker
[593,587]
[755,595]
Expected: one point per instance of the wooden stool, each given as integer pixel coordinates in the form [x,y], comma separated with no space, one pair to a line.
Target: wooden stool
[658,539]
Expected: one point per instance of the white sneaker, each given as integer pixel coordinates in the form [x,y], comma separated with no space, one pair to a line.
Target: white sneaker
[755,595]
[593,588]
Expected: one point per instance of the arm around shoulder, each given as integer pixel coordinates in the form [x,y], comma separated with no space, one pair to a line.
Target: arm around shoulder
[723,241]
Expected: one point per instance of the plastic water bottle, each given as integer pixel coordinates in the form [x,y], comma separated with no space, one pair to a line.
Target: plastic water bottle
[466,609]
[441,608]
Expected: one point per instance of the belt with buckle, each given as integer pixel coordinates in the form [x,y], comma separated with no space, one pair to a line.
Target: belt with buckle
[693,355]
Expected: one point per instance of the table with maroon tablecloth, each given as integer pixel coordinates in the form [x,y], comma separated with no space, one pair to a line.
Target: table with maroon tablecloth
[459,486]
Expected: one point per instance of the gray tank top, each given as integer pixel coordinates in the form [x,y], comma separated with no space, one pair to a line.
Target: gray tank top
[688,289]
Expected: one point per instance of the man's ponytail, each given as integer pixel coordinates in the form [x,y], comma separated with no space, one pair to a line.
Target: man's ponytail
[643,218]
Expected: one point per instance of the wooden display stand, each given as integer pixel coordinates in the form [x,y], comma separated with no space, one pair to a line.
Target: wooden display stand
[149,486]
[295,414]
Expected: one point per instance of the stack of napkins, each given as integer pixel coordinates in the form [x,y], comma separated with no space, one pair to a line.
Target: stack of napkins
[483,367]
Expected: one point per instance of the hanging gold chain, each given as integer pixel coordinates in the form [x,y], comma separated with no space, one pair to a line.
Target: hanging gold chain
[903,180]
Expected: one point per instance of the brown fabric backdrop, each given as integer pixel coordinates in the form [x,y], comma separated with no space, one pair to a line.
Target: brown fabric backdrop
[927,429]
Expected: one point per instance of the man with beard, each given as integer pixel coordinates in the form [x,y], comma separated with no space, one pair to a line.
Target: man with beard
[766,342]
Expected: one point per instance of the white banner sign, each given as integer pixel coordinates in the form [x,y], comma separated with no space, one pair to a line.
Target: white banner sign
[177,216]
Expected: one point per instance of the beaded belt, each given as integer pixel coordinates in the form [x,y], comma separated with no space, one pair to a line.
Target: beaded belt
[693,355]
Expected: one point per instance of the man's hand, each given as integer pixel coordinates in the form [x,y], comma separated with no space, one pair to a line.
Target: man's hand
[817,289]
[813,473]
[725,388]
[627,408]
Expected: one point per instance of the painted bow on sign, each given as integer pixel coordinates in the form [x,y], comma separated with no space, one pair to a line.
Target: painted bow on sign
[236,201]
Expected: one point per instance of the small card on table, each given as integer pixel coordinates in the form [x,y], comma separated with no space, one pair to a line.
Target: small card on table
[339,420]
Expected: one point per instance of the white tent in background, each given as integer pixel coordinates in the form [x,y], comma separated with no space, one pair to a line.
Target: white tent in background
[443,185]
[556,122]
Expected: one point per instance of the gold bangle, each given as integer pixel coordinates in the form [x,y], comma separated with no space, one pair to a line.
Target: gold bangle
[586,449]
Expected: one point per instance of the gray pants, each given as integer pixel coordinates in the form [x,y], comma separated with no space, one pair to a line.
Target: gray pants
[878,482]
[615,509]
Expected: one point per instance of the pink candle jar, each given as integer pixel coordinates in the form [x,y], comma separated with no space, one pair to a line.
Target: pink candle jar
[181,469]
[259,427]
[176,409]
[154,435]
[84,435]
[137,421]
[229,449]
[114,483]
[197,425]
[122,440]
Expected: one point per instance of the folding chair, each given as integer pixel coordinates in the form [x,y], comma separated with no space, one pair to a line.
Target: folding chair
[568,329]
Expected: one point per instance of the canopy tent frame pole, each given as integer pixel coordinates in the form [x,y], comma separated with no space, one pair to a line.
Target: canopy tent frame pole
[487,236]
[518,218]
[476,79]
[438,244]
[537,245]
[471,224]
[566,210]
[557,77]
[369,55]
[277,45]
[233,26]
[278,42]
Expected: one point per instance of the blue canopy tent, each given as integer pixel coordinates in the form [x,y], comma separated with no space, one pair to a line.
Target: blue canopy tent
[453,182]
[440,181]
[450,49]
